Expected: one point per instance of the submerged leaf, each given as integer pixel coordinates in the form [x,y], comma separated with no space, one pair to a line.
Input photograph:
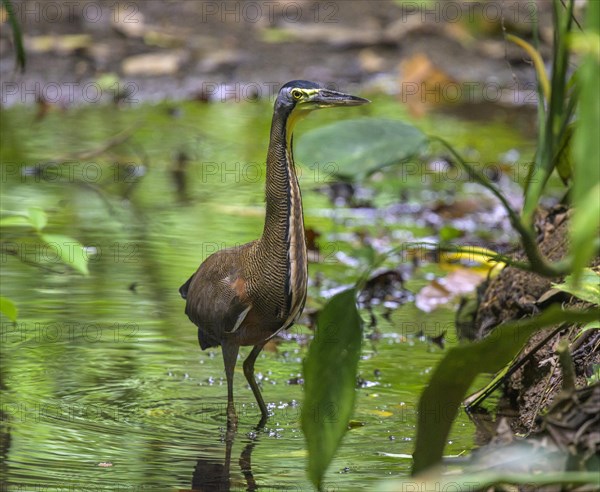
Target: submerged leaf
[353,149]
[8,308]
[330,380]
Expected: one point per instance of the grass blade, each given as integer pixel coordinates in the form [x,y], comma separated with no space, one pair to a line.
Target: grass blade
[17,36]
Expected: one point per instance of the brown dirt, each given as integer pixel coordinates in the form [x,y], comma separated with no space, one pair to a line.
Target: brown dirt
[257,47]
[515,294]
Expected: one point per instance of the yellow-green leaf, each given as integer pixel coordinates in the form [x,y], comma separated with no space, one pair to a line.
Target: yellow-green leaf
[37,218]
[69,250]
[586,153]
[15,221]
[8,308]
[587,288]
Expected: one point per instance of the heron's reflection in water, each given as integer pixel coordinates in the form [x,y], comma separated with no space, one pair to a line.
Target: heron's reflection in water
[213,476]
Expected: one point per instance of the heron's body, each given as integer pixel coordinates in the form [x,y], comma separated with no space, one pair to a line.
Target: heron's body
[244,295]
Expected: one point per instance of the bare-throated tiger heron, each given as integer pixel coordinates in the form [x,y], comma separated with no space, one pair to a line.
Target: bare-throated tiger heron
[246,294]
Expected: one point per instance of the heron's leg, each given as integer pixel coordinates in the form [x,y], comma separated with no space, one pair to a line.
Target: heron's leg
[249,373]
[230,353]
[245,462]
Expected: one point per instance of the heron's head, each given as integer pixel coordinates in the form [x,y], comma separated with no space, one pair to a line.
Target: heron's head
[299,97]
[302,95]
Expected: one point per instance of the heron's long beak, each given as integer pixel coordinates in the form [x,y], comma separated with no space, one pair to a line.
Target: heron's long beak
[326,98]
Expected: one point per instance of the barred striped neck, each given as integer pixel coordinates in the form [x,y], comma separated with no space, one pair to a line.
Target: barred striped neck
[283,234]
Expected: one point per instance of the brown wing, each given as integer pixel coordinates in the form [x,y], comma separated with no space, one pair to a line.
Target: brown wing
[215,296]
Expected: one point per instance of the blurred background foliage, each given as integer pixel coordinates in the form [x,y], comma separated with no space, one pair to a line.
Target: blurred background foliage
[133,147]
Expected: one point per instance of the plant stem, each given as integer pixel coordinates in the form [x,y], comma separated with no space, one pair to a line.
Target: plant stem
[537,263]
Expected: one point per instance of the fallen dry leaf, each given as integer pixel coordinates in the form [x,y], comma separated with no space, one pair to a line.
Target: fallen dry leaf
[422,84]
[442,291]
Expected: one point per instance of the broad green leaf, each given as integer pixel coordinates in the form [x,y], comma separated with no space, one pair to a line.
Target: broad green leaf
[441,399]
[584,229]
[330,380]
[586,150]
[353,149]
[37,218]
[15,221]
[8,308]
[70,251]
[587,289]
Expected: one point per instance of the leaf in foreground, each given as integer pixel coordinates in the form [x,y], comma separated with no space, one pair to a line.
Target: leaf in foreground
[586,147]
[441,399]
[330,380]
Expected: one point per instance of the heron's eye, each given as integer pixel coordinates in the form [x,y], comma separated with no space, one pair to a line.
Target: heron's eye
[296,94]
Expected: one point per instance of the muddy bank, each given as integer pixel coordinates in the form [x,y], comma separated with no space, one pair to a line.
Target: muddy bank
[95,51]
[543,399]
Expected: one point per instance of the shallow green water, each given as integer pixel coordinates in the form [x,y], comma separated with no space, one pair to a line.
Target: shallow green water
[103,383]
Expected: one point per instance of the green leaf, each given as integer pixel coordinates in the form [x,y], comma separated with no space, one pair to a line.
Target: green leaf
[587,288]
[17,35]
[330,380]
[353,149]
[564,161]
[441,399]
[554,120]
[15,221]
[70,251]
[448,233]
[586,151]
[584,229]
[594,325]
[8,308]
[37,218]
